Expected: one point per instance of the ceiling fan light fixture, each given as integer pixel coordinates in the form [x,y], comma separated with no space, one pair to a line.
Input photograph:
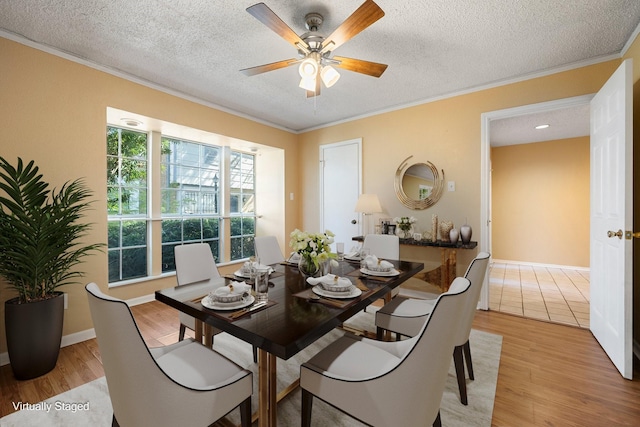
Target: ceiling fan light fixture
[308,68]
[308,84]
[329,75]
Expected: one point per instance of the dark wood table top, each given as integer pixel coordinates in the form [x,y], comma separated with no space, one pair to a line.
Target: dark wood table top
[291,322]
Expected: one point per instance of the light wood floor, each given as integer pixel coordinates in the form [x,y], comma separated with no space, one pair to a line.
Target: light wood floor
[550,375]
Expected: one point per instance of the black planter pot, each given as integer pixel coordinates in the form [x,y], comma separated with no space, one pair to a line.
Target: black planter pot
[34,333]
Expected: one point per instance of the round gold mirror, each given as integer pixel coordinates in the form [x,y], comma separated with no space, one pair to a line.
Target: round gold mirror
[418,186]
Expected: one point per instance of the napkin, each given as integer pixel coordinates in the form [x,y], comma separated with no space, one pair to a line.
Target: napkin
[372,261]
[234,288]
[330,280]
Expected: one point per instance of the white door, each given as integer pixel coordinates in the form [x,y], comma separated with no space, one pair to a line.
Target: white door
[611,214]
[341,184]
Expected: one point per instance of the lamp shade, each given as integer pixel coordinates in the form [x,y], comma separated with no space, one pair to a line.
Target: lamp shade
[329,75]
[368,203]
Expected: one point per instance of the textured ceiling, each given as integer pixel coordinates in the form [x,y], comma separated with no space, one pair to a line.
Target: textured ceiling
[434,48]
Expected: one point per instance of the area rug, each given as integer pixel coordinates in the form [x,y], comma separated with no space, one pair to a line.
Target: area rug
[89,404]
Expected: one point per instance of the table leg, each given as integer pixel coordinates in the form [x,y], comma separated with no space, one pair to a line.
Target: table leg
[267,395]
[444,270]
[198,331]
[208,335]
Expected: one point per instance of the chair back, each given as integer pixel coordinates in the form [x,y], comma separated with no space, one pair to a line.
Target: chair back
[268,250]
[421,367]
[133,377]
[475,273]
[194,263]
[383,245]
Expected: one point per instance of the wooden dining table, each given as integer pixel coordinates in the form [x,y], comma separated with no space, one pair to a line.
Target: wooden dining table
[289,322]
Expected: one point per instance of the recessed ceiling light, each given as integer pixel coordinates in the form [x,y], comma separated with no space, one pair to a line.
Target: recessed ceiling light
[131,122]
[542,126]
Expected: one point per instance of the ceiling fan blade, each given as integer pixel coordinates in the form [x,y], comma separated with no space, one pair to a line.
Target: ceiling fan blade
[269,67]
[368,13]
[374,69]
[265,15]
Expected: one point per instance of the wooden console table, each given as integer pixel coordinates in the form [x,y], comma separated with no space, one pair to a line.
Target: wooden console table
[444,275]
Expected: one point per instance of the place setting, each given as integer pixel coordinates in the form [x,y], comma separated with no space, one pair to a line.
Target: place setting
[332,290]
[235,300]
[374,268]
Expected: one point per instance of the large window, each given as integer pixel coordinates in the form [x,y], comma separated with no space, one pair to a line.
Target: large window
[190,177]
[127,203]
[242,209]
[206,193]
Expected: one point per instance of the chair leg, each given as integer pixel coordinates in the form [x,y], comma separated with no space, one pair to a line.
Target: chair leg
[379,332]
[307,404]
[437,422]
[114,422]
[181,333]
[459,363]
[467,357]
[245,412]
[255,354]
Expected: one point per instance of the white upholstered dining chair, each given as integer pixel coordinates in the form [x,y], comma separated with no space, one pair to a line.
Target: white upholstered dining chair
[180,384]
[268,250]
[194,264]
[405,316]
[386,246]
[361,376]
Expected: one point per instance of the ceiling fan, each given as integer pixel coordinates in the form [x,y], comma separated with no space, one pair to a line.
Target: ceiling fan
[315,51]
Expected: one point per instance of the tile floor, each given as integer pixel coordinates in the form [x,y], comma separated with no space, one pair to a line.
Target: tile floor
[556,295]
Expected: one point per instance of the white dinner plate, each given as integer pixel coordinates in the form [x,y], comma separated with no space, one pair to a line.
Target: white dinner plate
[354,292]
[353,258]
[215,305]
[393,272]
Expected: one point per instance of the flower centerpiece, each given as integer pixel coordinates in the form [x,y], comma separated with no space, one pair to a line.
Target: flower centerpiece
[405,224]
[314,250]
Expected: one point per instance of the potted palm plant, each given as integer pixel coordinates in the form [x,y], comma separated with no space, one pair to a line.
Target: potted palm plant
[40,248]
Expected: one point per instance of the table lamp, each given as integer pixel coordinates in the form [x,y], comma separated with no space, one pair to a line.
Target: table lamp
[367,204]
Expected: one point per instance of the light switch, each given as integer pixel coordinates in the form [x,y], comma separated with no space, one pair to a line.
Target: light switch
[451,185]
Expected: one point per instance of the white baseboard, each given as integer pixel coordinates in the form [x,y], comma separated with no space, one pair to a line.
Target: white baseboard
[87,334]
[536,264]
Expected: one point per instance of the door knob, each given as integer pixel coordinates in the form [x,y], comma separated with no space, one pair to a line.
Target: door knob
[353,221]
[615,233]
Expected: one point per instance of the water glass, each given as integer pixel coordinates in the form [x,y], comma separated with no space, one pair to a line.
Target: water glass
[261,284]
[340,250]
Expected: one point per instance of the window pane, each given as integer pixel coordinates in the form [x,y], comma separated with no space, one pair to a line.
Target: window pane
[191,230]
[114,266]
[215,249]
[134,233]
[134,263]
[168,258]
[210,228]
[249,225]
[113,234]
[171,230]
[170,202]
[134,172]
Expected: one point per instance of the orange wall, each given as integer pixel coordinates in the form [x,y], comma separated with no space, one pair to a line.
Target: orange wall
[540,202]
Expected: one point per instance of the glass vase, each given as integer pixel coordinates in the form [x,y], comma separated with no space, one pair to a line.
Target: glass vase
[307,268]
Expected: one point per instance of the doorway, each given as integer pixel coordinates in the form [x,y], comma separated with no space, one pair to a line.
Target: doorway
[541,290]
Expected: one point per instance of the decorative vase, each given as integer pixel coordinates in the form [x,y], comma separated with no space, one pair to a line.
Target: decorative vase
[307,268]
[465,233]
[445,228]
[405,234]
[454,235]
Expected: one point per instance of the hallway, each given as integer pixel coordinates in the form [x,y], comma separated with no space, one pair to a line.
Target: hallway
[555,295]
